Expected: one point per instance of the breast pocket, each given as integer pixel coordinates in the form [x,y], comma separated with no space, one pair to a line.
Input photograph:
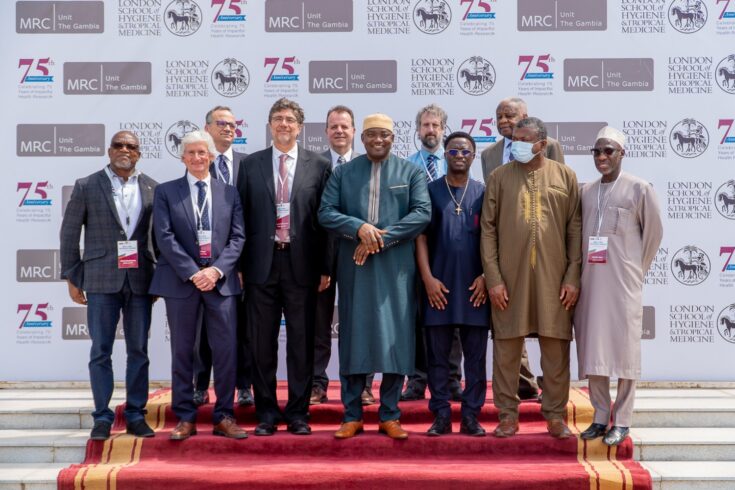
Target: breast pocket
[615,221]
[399,196]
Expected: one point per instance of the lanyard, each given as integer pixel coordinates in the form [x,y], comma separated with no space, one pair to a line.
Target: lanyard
[123,205]
[601,209]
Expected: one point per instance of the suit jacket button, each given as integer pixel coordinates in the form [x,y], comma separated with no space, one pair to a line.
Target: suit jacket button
[122,232]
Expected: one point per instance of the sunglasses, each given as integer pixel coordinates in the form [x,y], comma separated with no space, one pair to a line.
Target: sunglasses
[225,124]
[607,151]
[130,146]
[464,153]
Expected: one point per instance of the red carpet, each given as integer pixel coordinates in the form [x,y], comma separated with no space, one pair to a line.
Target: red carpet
[532,459]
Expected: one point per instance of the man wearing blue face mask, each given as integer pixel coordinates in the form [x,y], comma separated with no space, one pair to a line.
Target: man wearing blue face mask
[531,253]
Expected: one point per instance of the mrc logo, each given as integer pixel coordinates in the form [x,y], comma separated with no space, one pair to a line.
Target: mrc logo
[36,70]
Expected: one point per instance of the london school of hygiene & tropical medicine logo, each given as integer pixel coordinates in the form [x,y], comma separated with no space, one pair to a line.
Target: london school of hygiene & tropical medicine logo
[182,17]
[724,199]
[230,77]
[690,265]
[725,74]
[175,134]
[476,75]
[432,16]
[687,16]
[726,323]
[689,138]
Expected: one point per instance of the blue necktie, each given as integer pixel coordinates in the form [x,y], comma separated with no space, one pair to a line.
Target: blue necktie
[203,205]
[222,165]
[511,156]
[341,160]
[431,168]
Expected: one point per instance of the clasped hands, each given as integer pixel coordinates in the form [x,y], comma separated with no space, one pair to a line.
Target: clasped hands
[371,242]
[206,279]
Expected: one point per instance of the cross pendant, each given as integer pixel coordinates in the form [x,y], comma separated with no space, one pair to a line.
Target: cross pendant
[458,210]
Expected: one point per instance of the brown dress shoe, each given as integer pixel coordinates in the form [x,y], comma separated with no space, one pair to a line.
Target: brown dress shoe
[349,429]
[183,430]
[558,429]
[507,427]
[393,429]
[318,395]
[367,396]
[228,428]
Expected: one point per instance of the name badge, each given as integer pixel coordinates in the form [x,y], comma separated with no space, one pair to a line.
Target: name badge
[204,237]
[597,250]
[283,216]
[127,254]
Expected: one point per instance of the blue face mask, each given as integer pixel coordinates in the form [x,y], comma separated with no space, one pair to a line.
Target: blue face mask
[522,151]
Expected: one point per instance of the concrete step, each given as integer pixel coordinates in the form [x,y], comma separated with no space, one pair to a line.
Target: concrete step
[691,475]
[30,476]
[43,446]
[684,444]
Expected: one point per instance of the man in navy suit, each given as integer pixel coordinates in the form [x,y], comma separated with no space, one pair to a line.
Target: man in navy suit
[221,125]
[198,227]
[284,264]
[113,206]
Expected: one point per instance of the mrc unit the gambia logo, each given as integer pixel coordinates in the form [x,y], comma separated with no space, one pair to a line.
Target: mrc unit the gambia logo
[175,134]
[689,138]
[432,16]
[725,74]
[690,265]
[182,17]
[230,77]
[687,16]
[476,76]
[725,199]
[726,323]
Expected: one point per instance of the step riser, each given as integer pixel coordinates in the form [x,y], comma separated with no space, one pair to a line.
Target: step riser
[685,452]
[47,454]
[38,421]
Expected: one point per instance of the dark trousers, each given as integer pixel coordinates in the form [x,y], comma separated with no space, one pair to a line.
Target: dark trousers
[266,302]
[474,347]
[418,380]
[220,316]
[390,393]
[323,337]
[103,313]
[203,354]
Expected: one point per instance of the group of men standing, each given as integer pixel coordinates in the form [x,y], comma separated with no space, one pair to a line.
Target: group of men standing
[241,240]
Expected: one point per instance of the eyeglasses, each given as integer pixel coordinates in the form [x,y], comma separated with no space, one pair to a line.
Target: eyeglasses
[607,151]
[223,124]
[455,152]
[117,145]
[281,119]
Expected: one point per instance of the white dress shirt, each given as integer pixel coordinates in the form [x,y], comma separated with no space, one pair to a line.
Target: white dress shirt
[126,195]
[507,142]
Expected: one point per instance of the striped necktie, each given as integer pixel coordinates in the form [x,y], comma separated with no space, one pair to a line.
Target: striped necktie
[224,171]
[431,168]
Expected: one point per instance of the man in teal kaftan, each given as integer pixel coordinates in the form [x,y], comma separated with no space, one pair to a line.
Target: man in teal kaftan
[377,204]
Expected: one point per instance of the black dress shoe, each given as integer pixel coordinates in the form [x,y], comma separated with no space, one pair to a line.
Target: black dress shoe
[299,428]
[201,397]
[100,431]
[528,394]
[441,425]
[265,429]
[616,435]
[139,429]
[245,398]
[412,393]
[471,427]
[594,431]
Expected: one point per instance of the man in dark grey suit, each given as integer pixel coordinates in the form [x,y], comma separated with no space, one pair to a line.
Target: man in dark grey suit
[284,264]
[114,207]
[222,126]
[199,231]
[340,130]
[507,115]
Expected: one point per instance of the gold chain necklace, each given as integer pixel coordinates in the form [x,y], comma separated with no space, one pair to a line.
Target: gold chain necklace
[458,209]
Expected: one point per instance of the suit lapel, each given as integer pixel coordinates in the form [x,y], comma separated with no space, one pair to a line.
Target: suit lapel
[106,186]
[218,204]
[266,169]
[302,166]
[185,195]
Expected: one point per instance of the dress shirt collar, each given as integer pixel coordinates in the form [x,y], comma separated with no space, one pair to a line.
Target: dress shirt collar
[193,180]
[113,176]
[335,156]
[293,153]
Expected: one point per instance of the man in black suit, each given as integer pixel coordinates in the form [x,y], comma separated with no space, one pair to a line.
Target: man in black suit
[114,207]
[198,226]
[340,130]
[221,126]
[284,264]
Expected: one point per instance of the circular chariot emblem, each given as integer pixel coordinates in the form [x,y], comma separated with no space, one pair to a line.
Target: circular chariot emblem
[726,323]
[725,74]
[175,134]
[476,76]
[182,17]
[725,199]
[687,16]
[230,77]
[432,16]
[690,265]
[689,138]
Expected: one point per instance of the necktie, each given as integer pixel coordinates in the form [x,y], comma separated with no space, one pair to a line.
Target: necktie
[282,193]
[203,206]
[431,168]
[511,156]
[341,160]
[222,165]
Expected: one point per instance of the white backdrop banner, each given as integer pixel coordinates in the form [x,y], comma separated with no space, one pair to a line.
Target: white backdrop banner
[663,71]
